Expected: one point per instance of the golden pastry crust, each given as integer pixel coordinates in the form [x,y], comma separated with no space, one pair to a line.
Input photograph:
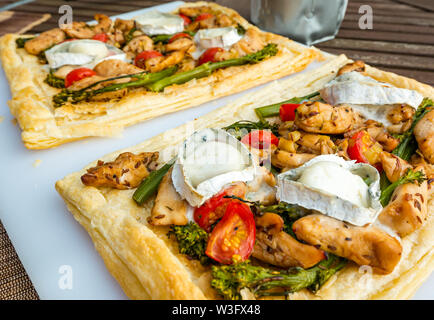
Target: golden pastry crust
[44,126]
[148,265]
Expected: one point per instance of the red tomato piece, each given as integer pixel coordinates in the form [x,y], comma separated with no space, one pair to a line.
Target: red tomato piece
[178,36]
[145,55]
[203,16]
[213,209]
[287,111]
[101,37]
[187,20]
[209,55]
[362,148]
[78,74]
[260,139]
[233,238]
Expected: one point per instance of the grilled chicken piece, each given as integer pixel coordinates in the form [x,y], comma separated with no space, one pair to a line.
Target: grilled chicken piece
[79,30]
[169,208]
[85,82]
[357,65]
[393,166]
[125,172]
[44,41]
[115,67]
[316,143]
[424,134]
[224,20]
[160,63]
[284,159]
[364,245]
[278,248]
[251,42]
[418,161]
[401,118]
[407,209]
[182,44]
[318,117]
[193,12]
[139,44]
[104,23]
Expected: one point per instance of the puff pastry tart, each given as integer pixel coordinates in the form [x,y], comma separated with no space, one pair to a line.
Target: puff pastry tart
[315,187]
[86,80]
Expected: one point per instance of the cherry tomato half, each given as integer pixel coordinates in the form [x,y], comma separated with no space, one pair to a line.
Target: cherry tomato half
[260,139]
[187,20]
[362,148]
[203,16]
[101,37]
[145,55]
[287,111]
[178,36]
[233,238]
[213,209]
[209,55]
[78,74]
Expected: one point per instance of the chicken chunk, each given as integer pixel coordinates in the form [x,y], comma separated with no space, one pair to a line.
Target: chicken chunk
[378,132]
[407,209]
[284,159]
[278,248]
[44,41]
[393,166]
[104,23]
[182,44]
[139,44]
[169,208]
[78,30]
[364,245]
[251,42]
[160,63]
[357,65]
[318,117]
[316,143]
[125,172]
[424,134]
[115,67]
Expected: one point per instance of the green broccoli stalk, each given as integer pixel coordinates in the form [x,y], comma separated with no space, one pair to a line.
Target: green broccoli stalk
[408,145]
[20,42]
[272,110]
[192,241]
[240,128]
[206,69]
[229,280]
[54,81]
[409,177]
[142,79]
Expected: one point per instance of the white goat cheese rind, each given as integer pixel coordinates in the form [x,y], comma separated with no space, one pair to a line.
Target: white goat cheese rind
[156,22]
[321,199]
[373,99]
[207,161]
[82,53]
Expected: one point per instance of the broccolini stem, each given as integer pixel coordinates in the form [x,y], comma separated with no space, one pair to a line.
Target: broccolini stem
[150,184]
[242,127]
[409,177]
[408,145]
[206,69]
[80,95]
[230,279]
[272,110]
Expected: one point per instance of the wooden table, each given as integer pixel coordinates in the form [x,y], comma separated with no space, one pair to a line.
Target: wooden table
[402,41]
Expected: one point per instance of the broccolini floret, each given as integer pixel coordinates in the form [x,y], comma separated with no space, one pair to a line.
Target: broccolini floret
[192,241]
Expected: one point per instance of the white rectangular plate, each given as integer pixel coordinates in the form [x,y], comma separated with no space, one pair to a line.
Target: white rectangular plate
[43,232]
